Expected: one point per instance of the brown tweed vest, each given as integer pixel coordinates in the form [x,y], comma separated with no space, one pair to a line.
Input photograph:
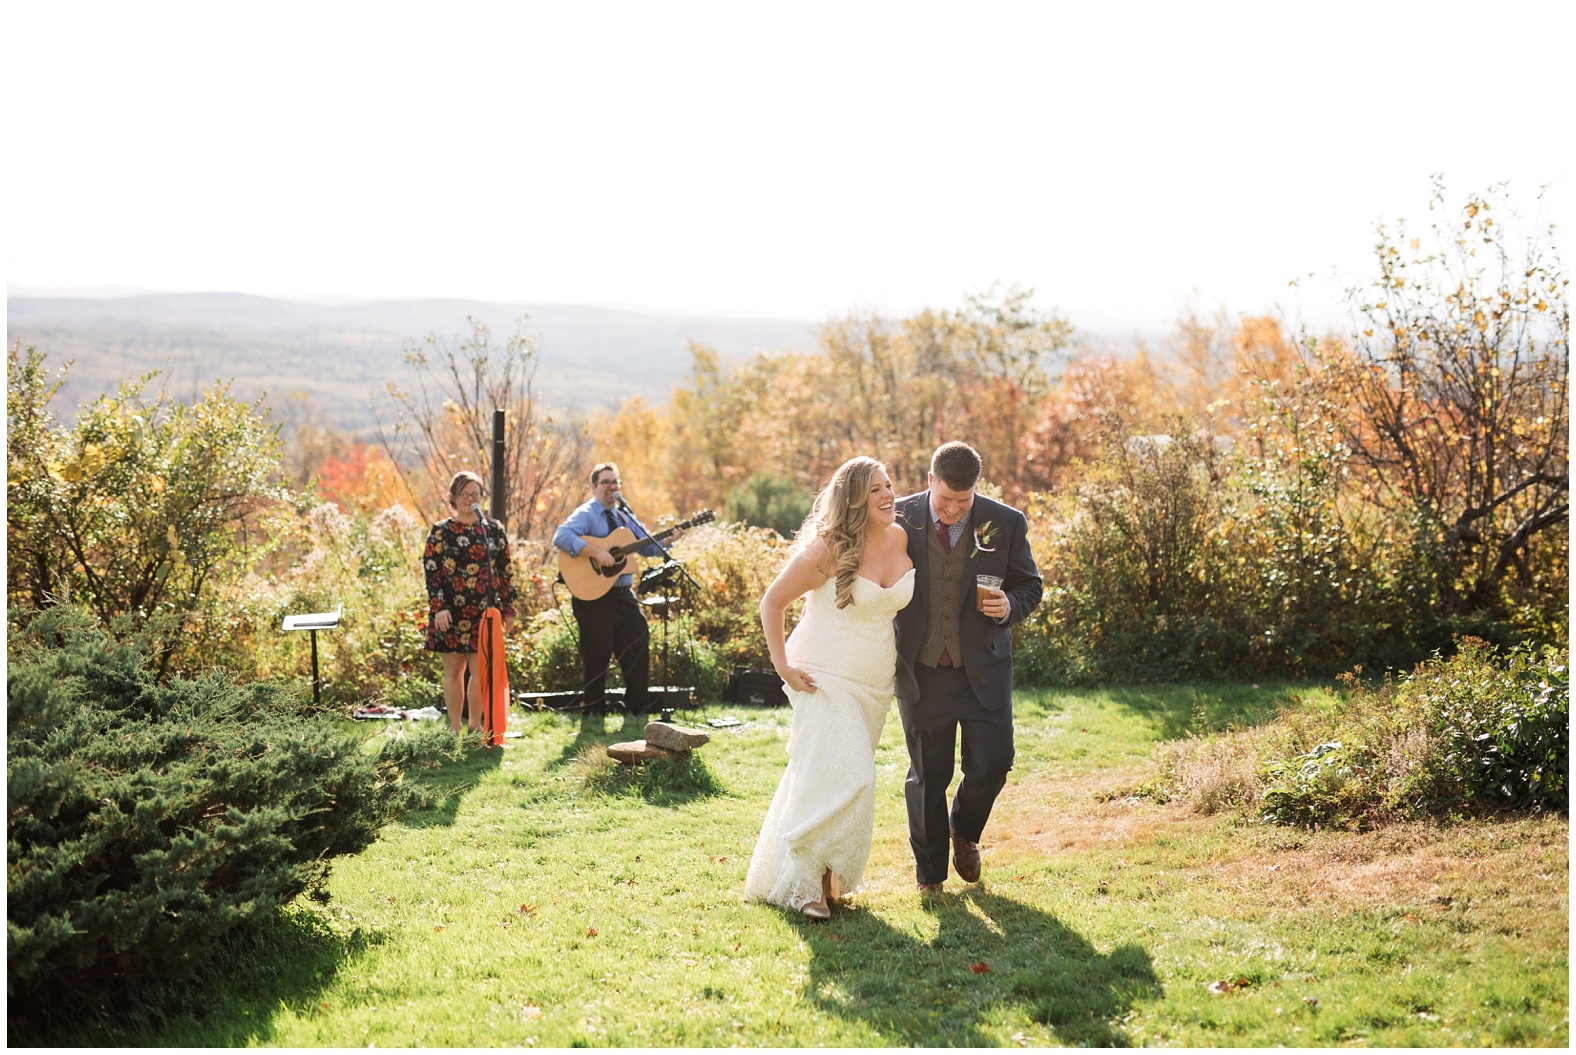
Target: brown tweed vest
[945,601]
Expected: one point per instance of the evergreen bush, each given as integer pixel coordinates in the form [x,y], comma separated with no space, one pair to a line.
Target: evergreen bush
[146,820]
[769,501]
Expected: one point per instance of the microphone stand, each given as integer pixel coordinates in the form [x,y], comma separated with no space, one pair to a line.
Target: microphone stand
[671,562]
[492,549]
[666,553]
[492,602]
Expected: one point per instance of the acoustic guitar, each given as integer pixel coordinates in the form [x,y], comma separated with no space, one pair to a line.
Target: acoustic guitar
[589,580]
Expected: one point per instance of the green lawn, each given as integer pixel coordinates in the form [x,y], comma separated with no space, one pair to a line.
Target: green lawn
[551,900]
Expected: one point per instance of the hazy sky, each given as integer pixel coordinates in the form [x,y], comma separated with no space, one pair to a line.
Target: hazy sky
[799,160]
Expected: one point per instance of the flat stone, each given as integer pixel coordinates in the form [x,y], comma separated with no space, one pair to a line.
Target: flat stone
[636,751]
[675,737]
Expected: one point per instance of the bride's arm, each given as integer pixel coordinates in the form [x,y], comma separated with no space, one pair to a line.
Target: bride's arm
[802,575]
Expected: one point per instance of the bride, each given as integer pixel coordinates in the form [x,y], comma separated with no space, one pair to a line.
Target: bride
[839,668]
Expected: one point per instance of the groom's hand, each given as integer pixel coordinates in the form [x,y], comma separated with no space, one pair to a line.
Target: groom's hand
[994,606]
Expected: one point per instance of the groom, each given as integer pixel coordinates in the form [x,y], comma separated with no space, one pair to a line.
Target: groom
[954,662]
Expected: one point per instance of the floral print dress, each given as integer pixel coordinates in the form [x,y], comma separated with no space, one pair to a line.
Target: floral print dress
[459,578]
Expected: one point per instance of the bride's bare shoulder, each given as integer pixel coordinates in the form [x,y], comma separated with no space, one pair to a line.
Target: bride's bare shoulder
[820,556]
[894,546]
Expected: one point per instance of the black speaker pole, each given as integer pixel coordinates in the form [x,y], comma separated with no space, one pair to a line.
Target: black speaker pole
[500,479]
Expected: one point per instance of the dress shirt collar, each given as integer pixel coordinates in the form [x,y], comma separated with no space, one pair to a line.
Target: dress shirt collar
[956,530]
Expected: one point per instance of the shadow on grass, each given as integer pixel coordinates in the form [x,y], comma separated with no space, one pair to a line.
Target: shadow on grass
[1177,710]
[285,960]
[600,728]
[447,785]
[989,955]
[664,782]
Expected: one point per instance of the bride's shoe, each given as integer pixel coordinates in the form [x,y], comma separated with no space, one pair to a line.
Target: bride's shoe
[821,909]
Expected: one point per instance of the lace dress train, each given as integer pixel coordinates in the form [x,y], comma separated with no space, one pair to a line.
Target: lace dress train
[823,814]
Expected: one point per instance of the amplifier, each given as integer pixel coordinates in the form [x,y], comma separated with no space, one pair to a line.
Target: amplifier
[763,688]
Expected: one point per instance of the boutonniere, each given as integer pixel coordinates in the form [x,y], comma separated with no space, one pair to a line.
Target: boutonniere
[984,536]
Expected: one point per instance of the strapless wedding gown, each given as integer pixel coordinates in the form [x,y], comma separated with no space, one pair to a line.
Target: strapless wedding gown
[823,814]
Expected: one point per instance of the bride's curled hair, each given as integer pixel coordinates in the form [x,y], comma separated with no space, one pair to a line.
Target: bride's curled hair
[838,518]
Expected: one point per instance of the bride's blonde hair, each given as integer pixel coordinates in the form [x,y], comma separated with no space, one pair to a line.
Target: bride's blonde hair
[838,518]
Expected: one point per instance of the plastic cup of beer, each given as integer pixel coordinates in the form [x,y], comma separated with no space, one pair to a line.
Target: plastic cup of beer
[984,586]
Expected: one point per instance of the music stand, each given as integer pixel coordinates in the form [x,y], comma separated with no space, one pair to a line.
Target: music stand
[663,604]
[313,621]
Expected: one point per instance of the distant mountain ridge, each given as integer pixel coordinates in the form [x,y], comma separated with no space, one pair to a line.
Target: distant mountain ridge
[343,356]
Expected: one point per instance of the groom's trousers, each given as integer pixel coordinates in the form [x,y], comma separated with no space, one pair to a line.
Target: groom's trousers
[946,706]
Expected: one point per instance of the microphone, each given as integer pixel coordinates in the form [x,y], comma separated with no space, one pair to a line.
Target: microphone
[619,498]
[477,509]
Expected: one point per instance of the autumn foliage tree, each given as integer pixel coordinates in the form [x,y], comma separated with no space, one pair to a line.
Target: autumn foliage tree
[894,389]
[142,506]
[1096,387]
[444,424]
[1458,387]
[639,437]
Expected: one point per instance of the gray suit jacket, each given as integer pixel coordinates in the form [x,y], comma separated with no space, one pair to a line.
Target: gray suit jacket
[987,645]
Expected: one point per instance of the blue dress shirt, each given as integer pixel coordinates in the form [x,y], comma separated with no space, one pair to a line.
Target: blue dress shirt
[592,519]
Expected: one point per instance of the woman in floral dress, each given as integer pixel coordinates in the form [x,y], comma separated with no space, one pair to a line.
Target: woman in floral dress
[461,583]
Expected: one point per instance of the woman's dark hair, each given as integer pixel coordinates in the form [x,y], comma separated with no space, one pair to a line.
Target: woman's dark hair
[461,478]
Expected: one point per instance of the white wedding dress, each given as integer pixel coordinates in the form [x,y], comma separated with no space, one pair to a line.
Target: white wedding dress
[823,814]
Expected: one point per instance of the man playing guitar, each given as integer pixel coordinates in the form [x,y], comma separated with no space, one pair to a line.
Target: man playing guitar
[611,625]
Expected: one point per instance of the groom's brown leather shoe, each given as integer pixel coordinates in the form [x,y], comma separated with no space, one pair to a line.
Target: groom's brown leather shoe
[966,858]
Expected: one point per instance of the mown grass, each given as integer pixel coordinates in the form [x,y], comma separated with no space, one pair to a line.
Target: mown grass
[549,899]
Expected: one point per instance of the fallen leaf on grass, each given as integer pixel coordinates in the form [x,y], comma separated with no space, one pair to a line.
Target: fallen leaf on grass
[1230,985]
[525,909]
[835,937]
[438,927]
[980,968]
[1019,1039]
[530,1012]
[590,932]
